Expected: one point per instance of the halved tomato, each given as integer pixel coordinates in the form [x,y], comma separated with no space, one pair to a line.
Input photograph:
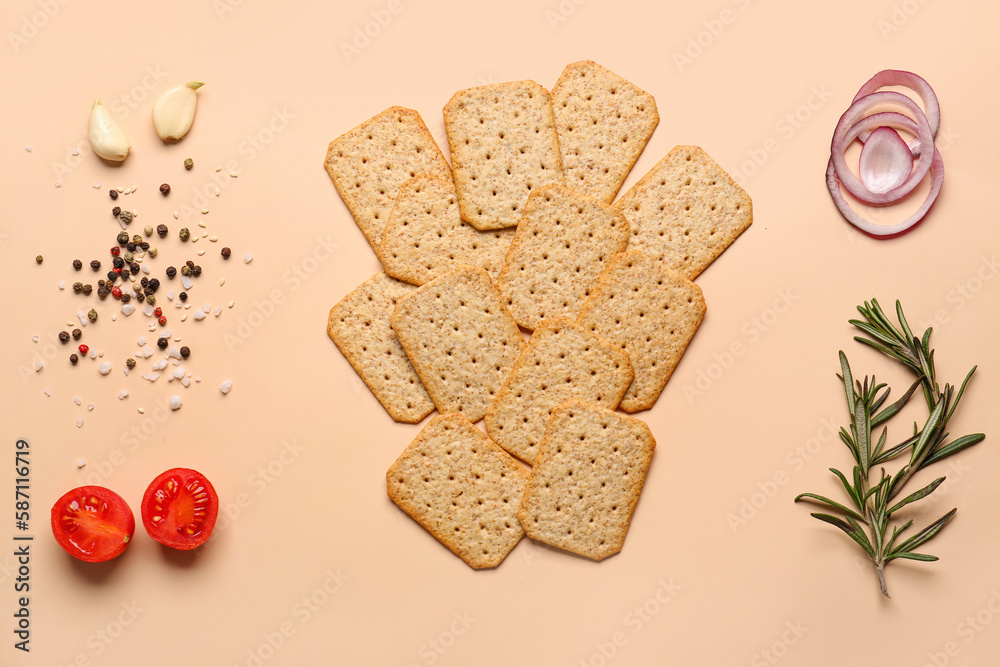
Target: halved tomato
[179,508]
[92,523]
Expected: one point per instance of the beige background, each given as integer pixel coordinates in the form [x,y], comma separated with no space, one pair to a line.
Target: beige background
[312,564]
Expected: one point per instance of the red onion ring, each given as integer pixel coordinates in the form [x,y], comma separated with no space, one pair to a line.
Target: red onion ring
[865,225]
[853,123]
[896,77]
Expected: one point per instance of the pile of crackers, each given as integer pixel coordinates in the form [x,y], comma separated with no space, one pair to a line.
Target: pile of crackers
[521,233]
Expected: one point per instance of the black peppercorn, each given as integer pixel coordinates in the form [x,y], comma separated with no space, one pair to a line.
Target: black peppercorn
[77,334]
[162,343]
[112,276]
[77,264]
[63,337]
[118,262]
[144,281]
[184,234]
[226,252]
[183,296]
[185,352]
[147,291]
[103,292]
[126,297]
[73,359]
[95,264]
[116,211]
[125,274]
[140,297]
[154,284]
[87,289]
[134,267]
[130,246]
[190,263]
[171,272]
[162,230]
[144,245]
[113,193]
[196,271]
[165,189]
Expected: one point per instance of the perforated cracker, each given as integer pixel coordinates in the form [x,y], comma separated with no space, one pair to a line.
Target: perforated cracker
[651,313]
[369,163]
[603,123]
[686,211]
[586,480]
[503,145]
[461,339]
[461,487]
[561,246]
[562,362]
[426,236]
[359,325]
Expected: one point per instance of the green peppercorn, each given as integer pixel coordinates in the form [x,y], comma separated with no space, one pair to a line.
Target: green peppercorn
[122,238]
[128,257]
[77,287]
[39,259]
[125,216]
[136,239]
[185,270]
[150,299]
[185,234]
[92,315]
[188,163]
[63,337]
[130,362]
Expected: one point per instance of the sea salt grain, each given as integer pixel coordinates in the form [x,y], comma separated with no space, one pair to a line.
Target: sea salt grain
[226,386]
[76,399]
[122,394]
[105,368]
[81,463]
[186,282]
[247,258]
[127,309]
[199,314]
[39,365]
[90,407]
[176,402]
[79,422]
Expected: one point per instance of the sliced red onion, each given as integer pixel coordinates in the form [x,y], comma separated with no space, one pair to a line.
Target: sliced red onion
[865,225]
[854,122]
[895,77]
[885,161]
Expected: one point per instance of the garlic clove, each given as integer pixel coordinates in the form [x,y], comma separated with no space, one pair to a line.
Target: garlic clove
[106,136]
[174,111]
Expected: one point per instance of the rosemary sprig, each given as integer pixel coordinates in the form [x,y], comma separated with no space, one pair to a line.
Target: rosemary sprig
[867,516]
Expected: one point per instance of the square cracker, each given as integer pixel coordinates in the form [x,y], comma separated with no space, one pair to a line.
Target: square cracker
[503,144]
[426,236]
[586,480]
[461,487]
[461,339]
[685,211]
[651,312]
[359,325]
[369,163]
[561,246]
[603,122]
[562,362]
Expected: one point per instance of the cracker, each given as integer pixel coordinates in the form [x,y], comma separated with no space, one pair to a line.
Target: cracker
[685,211]
[503,144]
[461,339]
[369,163]
[603,122]
[562,362]
[426,237]
[461,487]
[586,480]
[359,325]
[650,312]
[561,246]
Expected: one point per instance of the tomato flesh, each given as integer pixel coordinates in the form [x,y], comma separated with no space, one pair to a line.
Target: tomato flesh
[92,523]
[179,508]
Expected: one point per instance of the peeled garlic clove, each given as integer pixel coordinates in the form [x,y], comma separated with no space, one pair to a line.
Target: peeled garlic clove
[174,111]
[106,136]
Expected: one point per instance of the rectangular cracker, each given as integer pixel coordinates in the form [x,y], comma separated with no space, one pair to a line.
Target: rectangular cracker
[586,481]
[461,339]
[685,211]
[359,325]
[650,312]
[603,122]
[503,144]
[426,237]
[562,362]
[561,246]
[461,487]
[369,163]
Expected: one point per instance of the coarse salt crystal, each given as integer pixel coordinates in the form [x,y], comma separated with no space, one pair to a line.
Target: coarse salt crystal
[122,394]
[62,285]
[186,282]
[199,315]
[39,365]
[28,148]
[114,317]
[93,354]
[170,295]
[140,341]
[140,411]
[79,422]
[177,215]
[218,311]
[247,258]
[178,372]
[90,407]
[47,392]
[127,309]
[176,402]
[226,386]
[76,399]
[34,338]
[145,268]
[81,463]
[147,352]
[105,368]
[185,382]
[147,310]
[58,184]
[201,252]
[83,317]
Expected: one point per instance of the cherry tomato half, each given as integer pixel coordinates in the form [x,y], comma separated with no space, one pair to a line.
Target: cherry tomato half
[92,523]
[179,508]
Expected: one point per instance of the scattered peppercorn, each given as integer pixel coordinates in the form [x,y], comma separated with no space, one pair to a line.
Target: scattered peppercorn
[157,312]
[125,273]
[130,362]
[83,349]
[150,299]
[183,296]
[122,238]
[102,292]
[165,189]
[77,334]
[144,246]
[171,272]
[92,315]
[127,257]
[188,163]
[130,246]
[148,230]
[185,234]
[162,343]
[136,239]
[161,230]
[126,297]
[126,217]
[162,320]
[87,289]
[113,193]
[134,267]
[185,270]
[77,287]
[144,281]
[196,271]
[154,284]
[118,262]
[115,251]
[77,264]
[152,250]
[226,252]
[112,276]
[190,263]
[63,337]
[73,359]
[140,297]
[185,352]
[116,211]
[95,264]
[39,259]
